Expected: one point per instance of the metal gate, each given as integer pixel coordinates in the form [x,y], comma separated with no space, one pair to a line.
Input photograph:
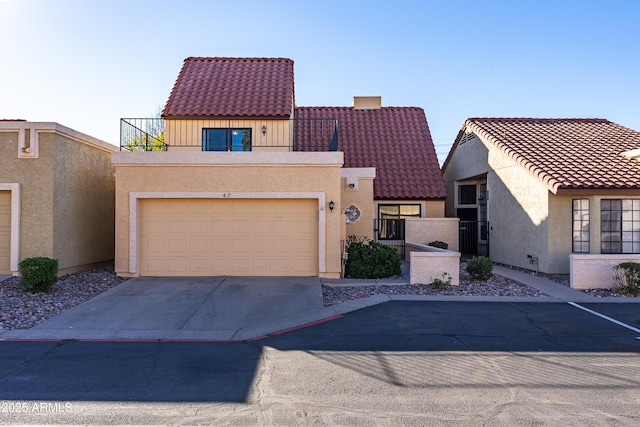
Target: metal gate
[474,238]
[390,232]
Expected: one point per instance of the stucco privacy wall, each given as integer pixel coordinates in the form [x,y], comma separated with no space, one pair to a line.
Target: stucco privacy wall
[228,174]
[428,263]
[426,230]
[66,192]
[596,271]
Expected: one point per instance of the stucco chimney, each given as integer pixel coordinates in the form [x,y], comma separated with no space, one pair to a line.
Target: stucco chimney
[367,102]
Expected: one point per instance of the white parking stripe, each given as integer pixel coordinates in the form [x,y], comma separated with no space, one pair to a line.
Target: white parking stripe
[617,322]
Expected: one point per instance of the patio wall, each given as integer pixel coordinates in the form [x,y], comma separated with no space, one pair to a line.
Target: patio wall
[424,230]
[427,263]
[595,271]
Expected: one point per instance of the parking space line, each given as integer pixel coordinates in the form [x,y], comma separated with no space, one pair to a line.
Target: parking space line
[617,322]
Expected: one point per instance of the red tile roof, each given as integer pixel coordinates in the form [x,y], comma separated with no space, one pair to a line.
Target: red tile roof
[564,153]
[394,140]
[233,87]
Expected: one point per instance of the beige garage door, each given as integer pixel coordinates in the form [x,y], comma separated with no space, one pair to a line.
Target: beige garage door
[5,232]
[228,237]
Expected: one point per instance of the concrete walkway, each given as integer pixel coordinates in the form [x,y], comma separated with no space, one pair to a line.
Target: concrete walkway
[240,308]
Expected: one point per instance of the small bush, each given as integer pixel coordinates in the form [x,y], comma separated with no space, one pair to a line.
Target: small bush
[38,274]
[480,267]
[439,244]
[371,260]
[442,283]
[626,277]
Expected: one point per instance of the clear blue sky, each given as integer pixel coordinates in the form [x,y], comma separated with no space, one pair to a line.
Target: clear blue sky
[87,63]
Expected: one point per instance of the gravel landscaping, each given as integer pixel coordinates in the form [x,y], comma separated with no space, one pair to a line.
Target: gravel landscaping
[22,310]
[495,286]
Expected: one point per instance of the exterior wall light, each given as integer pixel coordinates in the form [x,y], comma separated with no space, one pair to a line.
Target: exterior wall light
[331,205]
[264,129]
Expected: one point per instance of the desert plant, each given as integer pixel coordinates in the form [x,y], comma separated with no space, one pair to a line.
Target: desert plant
[626,277]
[442,282]
[439,244]
[480,267]
[38,274]
[371,260]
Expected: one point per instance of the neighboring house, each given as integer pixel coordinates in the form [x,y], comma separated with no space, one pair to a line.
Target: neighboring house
[543,189]
[57,194]
[245,183]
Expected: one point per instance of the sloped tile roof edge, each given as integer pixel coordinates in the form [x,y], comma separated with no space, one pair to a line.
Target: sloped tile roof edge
[537,171]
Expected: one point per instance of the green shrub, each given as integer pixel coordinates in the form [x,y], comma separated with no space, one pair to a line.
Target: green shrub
[439,244]
[480,267]
[371,260]
[38,274]
[626,277]
[442,283]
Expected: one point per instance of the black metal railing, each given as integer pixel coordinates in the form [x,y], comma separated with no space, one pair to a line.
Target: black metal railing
[147,134]
[156,134]
[474,238]
[391,232]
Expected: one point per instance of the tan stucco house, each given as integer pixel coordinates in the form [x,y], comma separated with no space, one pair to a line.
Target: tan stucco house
[546,189]
[240,181]
[57,191]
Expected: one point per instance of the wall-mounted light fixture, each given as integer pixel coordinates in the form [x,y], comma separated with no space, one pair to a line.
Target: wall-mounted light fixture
[264,129]
[331,205]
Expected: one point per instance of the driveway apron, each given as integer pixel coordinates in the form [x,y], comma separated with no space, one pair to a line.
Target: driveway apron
[188,307]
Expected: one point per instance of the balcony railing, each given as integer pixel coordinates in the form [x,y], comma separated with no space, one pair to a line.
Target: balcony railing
[147,134]
[156,134]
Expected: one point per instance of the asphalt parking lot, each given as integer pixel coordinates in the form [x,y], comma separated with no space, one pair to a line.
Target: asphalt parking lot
[402,362]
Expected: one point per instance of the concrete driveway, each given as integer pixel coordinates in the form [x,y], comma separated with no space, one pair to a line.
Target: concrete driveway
[198,308]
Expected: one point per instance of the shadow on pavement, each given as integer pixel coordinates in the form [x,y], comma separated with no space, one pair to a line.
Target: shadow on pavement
[406,343]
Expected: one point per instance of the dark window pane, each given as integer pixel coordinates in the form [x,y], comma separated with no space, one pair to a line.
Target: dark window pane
[214,139]
[467,194]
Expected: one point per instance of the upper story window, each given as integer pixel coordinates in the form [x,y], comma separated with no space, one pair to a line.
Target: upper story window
[620,226]
[467,194]
[226,139]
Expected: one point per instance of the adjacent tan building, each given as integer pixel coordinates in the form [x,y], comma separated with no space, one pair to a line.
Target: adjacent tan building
[543,189]
[57,191]
[245,183]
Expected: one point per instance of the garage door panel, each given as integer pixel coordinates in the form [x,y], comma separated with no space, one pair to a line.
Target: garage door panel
[229,237]
[154,266]
[198,226]
[241,246]
[241,227]
[153,227]
[177,228]
[199,247]
[220,246]
[219,227]
[154,247]
[199,265]
[176,247]
[177,267]
[262,247]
